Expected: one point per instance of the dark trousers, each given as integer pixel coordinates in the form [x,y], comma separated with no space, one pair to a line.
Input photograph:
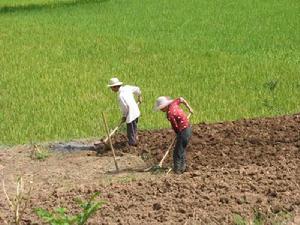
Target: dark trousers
[179,154]
[132,132]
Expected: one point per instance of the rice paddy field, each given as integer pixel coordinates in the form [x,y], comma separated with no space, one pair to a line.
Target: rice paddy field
[230,59]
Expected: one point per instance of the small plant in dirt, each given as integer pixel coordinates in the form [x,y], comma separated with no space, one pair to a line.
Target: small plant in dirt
[257,220]
[18,203]
[60,217]
[239,220]
[127,179]
[280,218]
[39,153]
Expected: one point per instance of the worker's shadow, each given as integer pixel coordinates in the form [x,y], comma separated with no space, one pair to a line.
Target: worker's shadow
[126,170]
[154,169]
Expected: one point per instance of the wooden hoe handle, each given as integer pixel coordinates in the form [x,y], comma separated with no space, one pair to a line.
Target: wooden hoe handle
[172,143]
[112,132]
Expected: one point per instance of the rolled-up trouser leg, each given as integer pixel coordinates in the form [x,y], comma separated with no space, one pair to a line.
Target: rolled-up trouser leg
[179,155]
[132,132]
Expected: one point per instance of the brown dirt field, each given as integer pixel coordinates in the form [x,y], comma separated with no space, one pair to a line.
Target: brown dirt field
[234,168]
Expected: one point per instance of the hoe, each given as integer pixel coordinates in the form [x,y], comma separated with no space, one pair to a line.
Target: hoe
[157,168]
[104,143]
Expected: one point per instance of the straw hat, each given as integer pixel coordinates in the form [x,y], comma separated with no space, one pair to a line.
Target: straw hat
[114,82]
[162,102]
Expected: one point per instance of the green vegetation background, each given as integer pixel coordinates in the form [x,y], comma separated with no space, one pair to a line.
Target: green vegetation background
[230,59]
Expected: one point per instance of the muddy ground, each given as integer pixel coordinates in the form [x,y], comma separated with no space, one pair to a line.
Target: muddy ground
[234,168]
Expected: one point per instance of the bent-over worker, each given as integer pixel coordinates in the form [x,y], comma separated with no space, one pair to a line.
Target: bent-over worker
[181,126]
[129,107]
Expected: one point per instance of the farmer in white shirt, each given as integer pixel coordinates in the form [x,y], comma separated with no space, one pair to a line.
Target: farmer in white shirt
[129,107]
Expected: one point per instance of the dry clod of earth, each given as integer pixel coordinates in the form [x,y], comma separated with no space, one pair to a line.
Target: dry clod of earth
[234,168]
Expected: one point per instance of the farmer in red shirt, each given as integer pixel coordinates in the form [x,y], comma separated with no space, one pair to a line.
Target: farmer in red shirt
[181,126]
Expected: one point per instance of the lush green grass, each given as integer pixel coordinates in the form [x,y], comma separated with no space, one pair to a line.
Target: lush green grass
[231,59]
[18,3]
[26,2]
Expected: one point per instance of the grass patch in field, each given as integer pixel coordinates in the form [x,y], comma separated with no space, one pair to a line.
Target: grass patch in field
[61,215]
[39,153]
[279,218]
[222,56]
[7,6]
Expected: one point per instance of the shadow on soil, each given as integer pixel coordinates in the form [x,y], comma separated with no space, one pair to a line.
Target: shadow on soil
[31,7]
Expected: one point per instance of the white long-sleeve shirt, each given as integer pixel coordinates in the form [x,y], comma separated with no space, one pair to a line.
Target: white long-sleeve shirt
[128,105]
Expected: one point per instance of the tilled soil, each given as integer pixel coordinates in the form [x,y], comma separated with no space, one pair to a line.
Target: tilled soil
[239,167]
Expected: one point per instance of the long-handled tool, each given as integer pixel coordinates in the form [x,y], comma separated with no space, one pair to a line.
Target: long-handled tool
[105,141]
[112,132]
[110,142]
[97,145]
[159,166]
[167,152]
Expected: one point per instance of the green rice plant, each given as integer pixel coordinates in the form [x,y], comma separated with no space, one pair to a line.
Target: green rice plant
[8,5]
[39,153]
[271,85]
[60,217]
[228,61]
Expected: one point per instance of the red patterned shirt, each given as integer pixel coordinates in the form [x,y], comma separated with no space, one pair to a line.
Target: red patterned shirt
[177,117]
